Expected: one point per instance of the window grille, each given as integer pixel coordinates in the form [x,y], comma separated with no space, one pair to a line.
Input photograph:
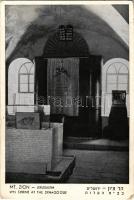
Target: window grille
[26,78]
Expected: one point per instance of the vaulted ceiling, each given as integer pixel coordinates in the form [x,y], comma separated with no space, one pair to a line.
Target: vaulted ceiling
[26,24]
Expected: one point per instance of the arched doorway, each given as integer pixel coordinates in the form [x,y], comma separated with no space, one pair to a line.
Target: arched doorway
[67,70]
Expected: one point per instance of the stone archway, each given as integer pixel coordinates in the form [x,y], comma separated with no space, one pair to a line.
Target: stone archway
[77,47]
[84,119]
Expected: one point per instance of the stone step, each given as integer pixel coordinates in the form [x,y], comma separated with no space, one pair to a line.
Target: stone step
[64,168]
[96,144]
[26,167]
[58,175]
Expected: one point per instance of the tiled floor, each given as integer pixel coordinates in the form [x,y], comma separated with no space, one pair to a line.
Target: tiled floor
[99,166]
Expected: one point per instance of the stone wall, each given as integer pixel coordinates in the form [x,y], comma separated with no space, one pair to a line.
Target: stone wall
[34,146]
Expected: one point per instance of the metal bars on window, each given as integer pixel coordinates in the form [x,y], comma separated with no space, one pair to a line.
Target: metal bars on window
[26,78]
[116,78]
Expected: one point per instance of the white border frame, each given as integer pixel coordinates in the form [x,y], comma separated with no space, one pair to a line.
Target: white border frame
[75,191]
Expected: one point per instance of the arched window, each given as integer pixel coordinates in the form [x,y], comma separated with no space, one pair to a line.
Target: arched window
[117,77]
[26,78]
[123,78]
[31,79]
[111,79]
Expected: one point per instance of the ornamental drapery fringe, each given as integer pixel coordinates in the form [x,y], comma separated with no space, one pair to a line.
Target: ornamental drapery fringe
[63,85]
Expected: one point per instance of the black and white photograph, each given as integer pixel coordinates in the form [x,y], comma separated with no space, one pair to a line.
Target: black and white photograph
[67,86]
